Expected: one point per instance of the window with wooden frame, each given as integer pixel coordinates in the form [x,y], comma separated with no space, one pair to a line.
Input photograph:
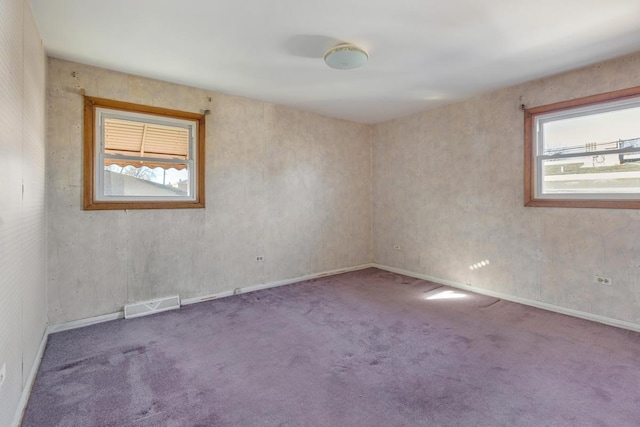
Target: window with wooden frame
[584,153]
[142,157]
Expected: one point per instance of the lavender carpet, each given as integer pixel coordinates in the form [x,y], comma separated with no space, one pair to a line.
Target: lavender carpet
[358,349]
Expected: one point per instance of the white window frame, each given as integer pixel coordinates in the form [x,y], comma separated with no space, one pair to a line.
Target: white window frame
[106,113]
[535,118]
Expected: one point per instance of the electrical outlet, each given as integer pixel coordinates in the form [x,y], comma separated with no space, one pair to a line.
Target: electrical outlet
[260,258]
[3,374]
[396,246]
[601,280]
[237,291]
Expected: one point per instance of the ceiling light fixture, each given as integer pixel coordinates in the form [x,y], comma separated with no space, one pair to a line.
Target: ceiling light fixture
[345,57]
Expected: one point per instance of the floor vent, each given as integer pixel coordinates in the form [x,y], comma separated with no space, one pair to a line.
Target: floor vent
[145,308]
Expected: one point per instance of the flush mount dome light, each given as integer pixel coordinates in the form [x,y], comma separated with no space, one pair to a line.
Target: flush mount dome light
[345,57]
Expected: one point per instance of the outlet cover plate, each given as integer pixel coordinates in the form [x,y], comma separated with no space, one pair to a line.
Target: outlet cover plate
[601,280]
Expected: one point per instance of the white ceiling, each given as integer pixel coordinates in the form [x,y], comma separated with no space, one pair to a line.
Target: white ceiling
[423,53]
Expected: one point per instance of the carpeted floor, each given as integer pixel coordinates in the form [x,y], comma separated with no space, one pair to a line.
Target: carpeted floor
[359,349]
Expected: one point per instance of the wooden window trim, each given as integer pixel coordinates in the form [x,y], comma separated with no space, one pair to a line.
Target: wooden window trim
[90,203]
[529,158]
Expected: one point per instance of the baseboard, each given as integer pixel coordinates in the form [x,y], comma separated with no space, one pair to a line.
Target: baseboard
[120,314]
[26,390]
[526,301]
[187,301]
[74,324]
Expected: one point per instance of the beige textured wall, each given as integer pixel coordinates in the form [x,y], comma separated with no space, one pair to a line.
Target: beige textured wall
[448,187]
[292,186]
[22,200]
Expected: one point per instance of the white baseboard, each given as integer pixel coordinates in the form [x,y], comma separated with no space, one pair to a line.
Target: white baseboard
[120,314]
[253,288]
[74,324]
[26,390]
[526,301]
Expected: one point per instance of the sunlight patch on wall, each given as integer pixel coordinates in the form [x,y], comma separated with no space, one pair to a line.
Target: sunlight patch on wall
[479,265]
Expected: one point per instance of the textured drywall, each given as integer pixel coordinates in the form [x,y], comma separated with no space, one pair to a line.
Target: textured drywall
[33,217]
[293,187]
[22,200]
[448,188]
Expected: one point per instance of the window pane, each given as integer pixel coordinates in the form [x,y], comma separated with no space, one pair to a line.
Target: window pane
[607,173]
[124,179]
[594,131]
